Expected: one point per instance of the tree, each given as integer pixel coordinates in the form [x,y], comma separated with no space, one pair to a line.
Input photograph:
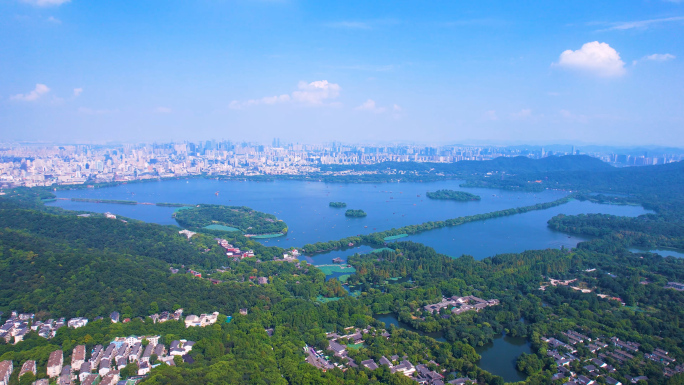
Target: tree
[27,379]
[129,371]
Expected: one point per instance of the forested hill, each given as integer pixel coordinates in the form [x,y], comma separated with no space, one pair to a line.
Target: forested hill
[657,187]
[514,165]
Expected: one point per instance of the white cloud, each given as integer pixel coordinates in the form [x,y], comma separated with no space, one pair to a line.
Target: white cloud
[349,25]
[573,117]
[237,105]
[657,57]
[594,57]
[90,111]
[40,90]
[642,24]
[523,114]
[362,25]
[77,92]
[396,108]
[313,94]
[369,105]
[163,110]
[316,92]
[54,20]
[660,57]
[491,115]
[45,3]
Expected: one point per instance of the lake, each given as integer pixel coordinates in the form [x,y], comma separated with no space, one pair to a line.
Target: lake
[499,357]
[304,207]
[661,252]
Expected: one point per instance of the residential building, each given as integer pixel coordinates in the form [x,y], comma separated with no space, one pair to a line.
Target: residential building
[105,367]
[135,352]
[110,379]
[84,371]
[370,364]
[77,322]
[28,367]
[55,362]
[65,377]
[202,321]
[405,367]
[6,369]
[89,379]
[143,368]
[78,356]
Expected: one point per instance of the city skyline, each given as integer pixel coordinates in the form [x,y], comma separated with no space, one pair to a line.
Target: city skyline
[586,72]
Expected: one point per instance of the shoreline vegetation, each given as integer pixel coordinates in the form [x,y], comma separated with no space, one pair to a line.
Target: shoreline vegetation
[166,204]
[379,238]
[337,205]
[453,195]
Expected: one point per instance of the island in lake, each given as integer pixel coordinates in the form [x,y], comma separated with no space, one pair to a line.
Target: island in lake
[230,218]
[355,213]
[453,195]
[338,205]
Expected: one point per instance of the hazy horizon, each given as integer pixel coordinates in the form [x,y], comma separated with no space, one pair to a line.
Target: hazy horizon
[496,73]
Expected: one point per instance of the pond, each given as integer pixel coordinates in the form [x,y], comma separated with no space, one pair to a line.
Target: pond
[499,357]
[391,319]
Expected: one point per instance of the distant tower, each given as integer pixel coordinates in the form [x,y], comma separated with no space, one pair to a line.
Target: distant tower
[573,150]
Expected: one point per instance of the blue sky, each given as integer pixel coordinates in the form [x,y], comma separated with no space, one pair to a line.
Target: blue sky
[604,72]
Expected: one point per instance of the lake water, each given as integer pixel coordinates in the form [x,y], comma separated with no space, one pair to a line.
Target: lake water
[327,258]
[304,207]
[516,233]
[661,252]
[499,357]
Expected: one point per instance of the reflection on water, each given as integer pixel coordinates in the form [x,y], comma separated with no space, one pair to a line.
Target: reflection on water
[499,357]
[391,319]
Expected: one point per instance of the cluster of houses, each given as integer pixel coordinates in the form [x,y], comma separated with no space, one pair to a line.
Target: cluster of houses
[167,316]
[604,352]
[18,325]
[104,365]
[460,305]
[201,321]
[401,365]
[233,251]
